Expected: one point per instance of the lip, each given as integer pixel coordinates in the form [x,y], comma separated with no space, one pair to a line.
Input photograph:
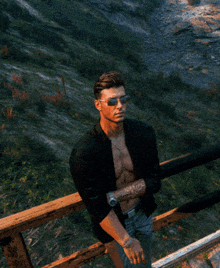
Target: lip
[120,114]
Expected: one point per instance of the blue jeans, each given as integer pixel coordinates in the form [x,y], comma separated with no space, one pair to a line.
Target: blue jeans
[140,227]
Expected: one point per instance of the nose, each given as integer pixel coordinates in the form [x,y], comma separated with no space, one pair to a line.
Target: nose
[119,103]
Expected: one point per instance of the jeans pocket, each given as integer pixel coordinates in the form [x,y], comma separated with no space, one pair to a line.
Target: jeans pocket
[144,223]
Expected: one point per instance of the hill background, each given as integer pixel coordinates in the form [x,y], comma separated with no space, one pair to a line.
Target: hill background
[52,52]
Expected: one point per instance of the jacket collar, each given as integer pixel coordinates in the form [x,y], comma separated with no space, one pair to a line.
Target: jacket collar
[100,131]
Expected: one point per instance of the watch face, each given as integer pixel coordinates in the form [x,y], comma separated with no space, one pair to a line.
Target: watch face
[113,203]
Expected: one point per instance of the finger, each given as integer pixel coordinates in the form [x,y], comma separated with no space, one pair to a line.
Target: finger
[135,260]
[143,257]
[131,259]
[139,260]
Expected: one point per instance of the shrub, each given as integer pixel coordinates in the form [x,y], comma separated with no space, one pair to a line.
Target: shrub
[135,61]
[41,106]
[16,53]
[92,67]
[191,141]
[4,22]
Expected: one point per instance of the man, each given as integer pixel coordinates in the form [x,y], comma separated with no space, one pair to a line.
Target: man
[116,170]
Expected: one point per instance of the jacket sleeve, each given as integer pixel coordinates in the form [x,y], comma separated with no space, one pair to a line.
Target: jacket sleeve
[89,184]
[153,178]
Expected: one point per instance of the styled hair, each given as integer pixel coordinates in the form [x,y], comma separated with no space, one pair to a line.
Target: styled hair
[107,80]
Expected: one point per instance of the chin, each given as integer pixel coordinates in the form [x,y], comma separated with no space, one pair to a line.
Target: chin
[116,119]
[119,120]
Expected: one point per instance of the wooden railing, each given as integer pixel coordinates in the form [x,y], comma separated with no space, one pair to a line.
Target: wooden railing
[11,227]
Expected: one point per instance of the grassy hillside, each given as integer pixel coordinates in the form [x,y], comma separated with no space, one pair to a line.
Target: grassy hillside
[49,65]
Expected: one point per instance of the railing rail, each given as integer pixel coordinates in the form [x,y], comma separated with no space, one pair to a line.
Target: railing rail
[13,244]
[184,253]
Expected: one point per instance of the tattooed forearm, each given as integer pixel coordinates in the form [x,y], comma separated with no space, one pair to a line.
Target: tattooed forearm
[131,191]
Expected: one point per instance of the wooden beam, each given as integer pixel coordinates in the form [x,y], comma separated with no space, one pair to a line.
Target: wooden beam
[16,252]
[168,218]
[187,251]
[188,161]
[201,203]
[41,214]
[55,209]
[185,210]
[80,257]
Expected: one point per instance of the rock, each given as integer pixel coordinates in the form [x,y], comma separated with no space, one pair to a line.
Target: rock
[60,256]
[172,232]
[214,257]
[29,240]
[185,39]
[198,263]
[193,2]
[216,33]
[200,26]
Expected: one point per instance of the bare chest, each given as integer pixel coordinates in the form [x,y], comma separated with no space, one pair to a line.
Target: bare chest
[123,171]
[122,163]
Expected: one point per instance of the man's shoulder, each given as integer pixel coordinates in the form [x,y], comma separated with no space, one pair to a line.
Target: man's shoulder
[89,141]
[138,125]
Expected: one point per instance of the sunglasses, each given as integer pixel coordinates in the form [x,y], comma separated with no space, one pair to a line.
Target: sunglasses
[114,101]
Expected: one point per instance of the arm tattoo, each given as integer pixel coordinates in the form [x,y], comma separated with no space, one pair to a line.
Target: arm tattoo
[131,191]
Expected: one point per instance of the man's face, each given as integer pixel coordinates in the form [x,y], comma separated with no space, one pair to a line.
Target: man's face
[114,113]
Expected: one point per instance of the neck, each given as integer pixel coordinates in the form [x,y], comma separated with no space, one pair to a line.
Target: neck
[112,129]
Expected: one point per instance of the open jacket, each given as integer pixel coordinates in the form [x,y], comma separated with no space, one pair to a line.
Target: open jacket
[92,169]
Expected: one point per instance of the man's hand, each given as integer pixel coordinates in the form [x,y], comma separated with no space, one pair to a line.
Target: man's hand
[135,252]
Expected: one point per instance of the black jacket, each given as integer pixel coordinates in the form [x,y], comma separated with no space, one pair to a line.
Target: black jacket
[92,169]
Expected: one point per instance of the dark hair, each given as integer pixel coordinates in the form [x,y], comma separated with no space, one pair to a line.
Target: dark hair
[107,80]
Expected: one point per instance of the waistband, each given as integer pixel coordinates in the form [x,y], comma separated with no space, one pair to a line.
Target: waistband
[132,211]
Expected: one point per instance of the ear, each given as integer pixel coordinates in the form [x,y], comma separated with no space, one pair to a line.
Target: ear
[97,104]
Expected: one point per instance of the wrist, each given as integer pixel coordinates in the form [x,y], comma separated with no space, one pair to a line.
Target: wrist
[125,241]
[128,243]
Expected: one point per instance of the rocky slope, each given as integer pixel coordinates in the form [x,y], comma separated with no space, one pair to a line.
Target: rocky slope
[178,36]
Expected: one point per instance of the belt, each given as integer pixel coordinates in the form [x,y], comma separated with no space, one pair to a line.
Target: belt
[131,212]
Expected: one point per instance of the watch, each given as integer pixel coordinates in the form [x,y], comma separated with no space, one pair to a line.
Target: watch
[112,200]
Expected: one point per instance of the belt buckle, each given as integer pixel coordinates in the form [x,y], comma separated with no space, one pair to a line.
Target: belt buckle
[131,213]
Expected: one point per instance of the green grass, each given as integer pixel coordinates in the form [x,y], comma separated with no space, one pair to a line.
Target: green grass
[32,174]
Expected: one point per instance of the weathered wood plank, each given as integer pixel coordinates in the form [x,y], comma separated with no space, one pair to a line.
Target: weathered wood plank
[185,210]
[188,161]
[214,257]
[16,252]
[41,214]
[198,263]
[187,251]
[168,218]
[80,257]
[46,212]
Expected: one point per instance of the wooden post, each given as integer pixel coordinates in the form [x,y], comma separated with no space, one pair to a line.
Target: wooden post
[15,251]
